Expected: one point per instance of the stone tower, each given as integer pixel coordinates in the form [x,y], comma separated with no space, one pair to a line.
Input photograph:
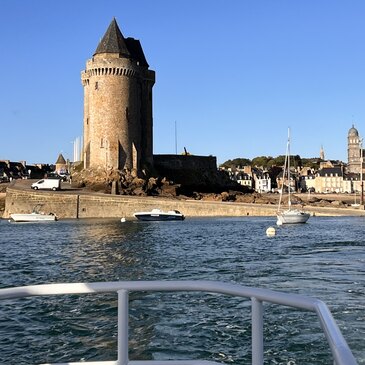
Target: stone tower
[321,153]
[61,164]
[117,104]
[353,151]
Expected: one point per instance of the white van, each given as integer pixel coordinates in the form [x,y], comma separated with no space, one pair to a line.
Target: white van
[53,184]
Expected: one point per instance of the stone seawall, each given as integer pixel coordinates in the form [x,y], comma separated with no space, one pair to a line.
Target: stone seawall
[67,205]
[80,204]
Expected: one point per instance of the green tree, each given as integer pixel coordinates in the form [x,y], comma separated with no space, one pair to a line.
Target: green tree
[240,161]
[279,160]
[260,161]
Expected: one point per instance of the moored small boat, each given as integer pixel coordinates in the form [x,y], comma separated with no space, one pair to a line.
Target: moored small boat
[292,216]
[159,215]
[289,216]
[32,217]
[35,216]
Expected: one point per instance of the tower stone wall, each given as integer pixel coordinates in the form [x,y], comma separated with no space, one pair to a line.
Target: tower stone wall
[118,105]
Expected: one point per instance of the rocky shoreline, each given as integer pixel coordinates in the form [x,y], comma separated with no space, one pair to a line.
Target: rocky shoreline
[130,183]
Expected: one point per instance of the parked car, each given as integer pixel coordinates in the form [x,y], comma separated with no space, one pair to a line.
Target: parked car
[64,176]
[55,175]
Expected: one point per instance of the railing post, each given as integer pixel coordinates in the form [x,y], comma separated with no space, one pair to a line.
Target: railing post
[257,332]
[123,299]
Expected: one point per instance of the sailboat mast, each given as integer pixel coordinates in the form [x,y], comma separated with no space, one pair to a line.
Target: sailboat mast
[289,187]
[285,173]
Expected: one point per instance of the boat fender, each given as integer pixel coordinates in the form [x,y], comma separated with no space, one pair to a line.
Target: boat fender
[270,232]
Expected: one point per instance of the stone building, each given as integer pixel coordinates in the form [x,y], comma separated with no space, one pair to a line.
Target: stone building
[354,151]
[117,104]
[61,165]
[329,180]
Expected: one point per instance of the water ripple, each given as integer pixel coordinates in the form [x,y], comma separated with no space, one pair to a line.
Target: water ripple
[324,258]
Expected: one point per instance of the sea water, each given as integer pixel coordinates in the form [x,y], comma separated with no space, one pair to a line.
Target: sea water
[324,258]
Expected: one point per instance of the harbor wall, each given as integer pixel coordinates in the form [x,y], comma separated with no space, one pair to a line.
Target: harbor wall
[94,205]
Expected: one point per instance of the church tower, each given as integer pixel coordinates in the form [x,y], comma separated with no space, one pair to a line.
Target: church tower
[117,104]
[321,153]
[353,151]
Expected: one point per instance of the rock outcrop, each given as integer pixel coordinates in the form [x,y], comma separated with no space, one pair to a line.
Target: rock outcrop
[124,183]
[131,182]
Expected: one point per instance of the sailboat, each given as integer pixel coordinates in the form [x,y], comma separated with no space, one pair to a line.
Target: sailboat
[289,216]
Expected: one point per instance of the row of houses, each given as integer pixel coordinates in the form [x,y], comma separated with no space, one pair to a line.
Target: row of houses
[21,170]
[329,178]
[253,178]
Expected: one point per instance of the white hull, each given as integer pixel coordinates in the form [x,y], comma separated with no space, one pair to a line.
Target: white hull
[292,216]
[33,217]
[159,215]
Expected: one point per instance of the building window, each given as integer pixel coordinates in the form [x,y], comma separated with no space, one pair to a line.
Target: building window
[96,85]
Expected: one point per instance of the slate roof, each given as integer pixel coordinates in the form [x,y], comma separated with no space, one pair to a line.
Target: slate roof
[61,160]
[352,176]
[136,51]
[114,42]
[330,170]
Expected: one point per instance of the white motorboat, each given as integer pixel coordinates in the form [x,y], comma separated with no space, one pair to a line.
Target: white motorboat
[33,217]
[289,216]
[159,215]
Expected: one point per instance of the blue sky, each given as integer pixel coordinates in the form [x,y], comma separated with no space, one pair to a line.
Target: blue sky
[232,74]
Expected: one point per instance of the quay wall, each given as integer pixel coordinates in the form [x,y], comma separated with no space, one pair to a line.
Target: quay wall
[66,205]
[79,204]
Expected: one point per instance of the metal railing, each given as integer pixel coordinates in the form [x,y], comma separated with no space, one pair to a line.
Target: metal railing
[340,350]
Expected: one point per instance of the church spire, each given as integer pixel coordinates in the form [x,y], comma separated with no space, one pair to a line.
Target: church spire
[113,41]
[321,153]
